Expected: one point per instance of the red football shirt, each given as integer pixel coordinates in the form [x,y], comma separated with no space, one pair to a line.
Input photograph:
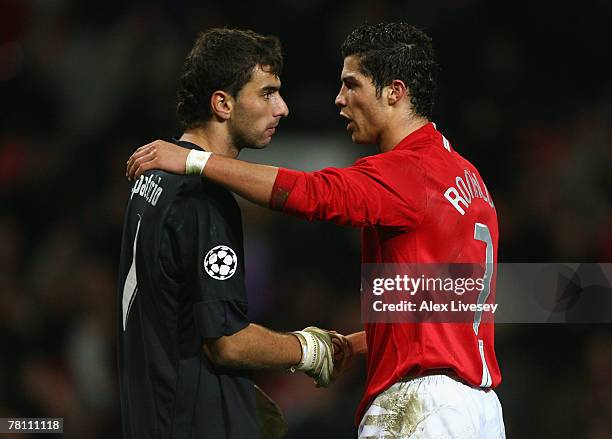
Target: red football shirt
[419,203]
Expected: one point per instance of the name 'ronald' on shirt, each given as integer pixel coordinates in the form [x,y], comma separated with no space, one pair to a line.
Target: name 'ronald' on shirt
[419,203]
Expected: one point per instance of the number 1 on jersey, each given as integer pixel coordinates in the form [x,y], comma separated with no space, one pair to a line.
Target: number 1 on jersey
[131,283]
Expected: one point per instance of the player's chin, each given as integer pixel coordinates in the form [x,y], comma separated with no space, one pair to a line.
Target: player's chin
[262,142]
[266,140]
[354,133]
[356,138]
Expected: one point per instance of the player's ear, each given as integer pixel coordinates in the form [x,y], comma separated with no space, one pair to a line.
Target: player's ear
[221,104]
[396,91]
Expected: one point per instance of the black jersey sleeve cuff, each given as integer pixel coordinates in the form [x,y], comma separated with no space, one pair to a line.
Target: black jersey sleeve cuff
[220,317]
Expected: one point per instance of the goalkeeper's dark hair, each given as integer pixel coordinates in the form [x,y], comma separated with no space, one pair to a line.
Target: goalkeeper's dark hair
[222,59]
[389,51]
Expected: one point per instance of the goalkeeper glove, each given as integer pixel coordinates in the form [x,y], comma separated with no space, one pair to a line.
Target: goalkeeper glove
[317,355]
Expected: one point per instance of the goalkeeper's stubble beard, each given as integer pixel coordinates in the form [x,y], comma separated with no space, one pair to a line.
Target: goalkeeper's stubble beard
[244,131]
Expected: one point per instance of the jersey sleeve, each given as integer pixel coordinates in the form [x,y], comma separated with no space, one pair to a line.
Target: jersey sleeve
[386,190]
[191,235]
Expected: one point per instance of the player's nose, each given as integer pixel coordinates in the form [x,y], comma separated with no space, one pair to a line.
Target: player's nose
[281,110]
[340,99]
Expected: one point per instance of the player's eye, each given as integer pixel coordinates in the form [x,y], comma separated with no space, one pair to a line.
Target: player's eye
[268,94]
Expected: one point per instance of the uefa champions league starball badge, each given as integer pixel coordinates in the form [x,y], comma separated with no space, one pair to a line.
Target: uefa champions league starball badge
[220,262]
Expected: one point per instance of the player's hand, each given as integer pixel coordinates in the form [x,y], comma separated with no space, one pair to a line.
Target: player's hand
[353,346]
[343,354]
[157,155]
[317,354]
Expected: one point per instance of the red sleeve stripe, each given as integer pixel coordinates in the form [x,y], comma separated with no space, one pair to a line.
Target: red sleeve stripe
[283,185]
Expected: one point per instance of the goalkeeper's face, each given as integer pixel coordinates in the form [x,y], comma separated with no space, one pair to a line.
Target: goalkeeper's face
[257,110]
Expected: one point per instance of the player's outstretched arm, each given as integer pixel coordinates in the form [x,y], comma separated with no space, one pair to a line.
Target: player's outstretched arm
[255,347]
[249,180]
[357,196]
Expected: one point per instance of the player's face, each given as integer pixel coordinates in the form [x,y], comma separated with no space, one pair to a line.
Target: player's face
[359,104]
[258,110]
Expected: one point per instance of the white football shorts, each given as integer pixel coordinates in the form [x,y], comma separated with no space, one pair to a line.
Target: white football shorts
[433,407]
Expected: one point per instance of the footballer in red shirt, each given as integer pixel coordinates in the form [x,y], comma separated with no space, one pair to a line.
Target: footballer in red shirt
[417,202]
[414,204]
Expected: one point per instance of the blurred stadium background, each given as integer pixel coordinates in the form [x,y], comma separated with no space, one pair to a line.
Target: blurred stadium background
[525,94]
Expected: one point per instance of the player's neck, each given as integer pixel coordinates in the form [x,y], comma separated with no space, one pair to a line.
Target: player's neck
[211,140]
[398,130]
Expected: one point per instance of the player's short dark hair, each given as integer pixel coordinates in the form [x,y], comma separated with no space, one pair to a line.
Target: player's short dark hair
[389,51]
[222,59]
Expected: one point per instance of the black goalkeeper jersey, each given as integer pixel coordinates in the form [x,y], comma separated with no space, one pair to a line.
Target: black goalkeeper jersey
[181,280]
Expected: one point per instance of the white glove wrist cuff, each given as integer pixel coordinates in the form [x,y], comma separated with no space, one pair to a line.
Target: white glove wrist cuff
[311,351]
[196,160]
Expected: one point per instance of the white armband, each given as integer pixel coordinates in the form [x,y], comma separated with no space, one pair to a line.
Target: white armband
[196,160]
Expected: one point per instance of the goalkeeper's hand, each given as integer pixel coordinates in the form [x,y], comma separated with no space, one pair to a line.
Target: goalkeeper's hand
[317,354]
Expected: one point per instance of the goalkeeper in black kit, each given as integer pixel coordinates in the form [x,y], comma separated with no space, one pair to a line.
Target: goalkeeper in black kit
[185,344]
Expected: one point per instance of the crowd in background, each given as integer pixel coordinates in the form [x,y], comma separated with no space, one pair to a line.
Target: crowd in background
[525,93]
